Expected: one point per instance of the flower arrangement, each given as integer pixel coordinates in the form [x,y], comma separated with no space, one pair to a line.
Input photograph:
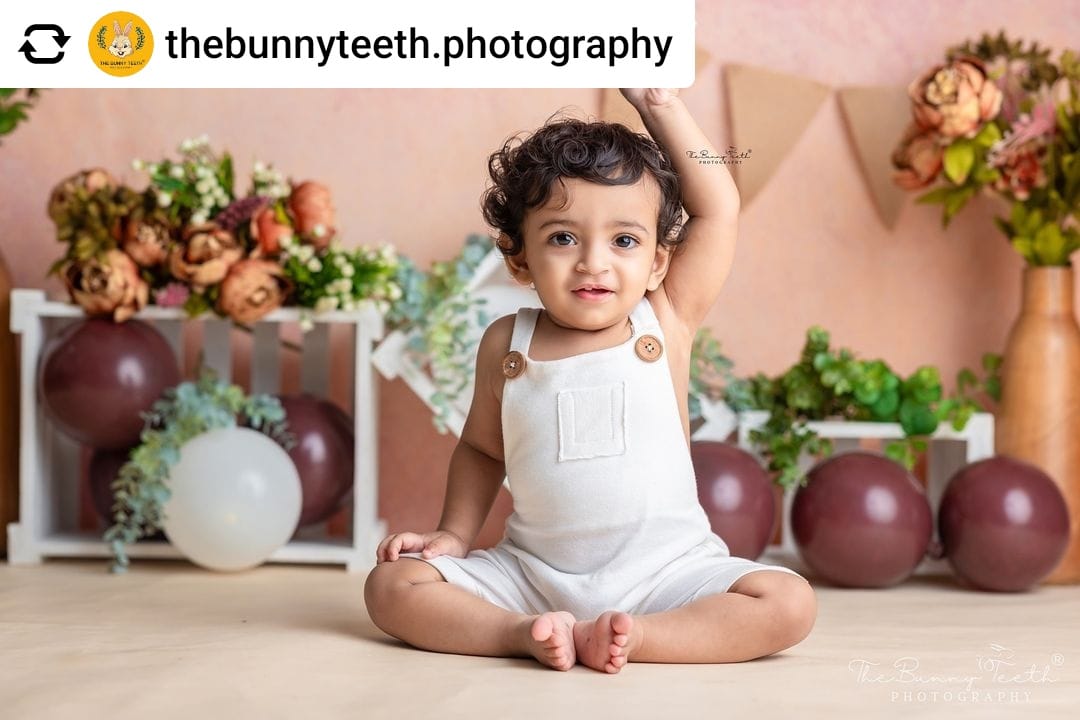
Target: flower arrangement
[190,409]
[828,384]
[188,241]
[999,117]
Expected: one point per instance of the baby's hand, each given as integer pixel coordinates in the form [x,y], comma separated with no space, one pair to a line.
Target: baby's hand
[432,544]
[645,98]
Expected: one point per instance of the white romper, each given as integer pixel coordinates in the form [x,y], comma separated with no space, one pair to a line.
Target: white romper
[606,512]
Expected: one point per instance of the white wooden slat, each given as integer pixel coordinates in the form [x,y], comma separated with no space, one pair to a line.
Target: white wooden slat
[217,347]
[367,528]
[315,360]
[266,359]
[173,332]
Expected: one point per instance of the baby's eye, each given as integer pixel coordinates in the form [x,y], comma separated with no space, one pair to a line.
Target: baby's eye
[626,241]
[562,239]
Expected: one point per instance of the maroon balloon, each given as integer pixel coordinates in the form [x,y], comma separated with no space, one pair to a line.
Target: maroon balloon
[104,467]
[96,376]
[737,495]
[861,520]
[1004,524]
[323,453]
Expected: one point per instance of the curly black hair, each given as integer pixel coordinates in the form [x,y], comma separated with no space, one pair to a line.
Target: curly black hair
[523,173]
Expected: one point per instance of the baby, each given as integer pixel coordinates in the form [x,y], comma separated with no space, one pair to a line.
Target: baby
[582,405]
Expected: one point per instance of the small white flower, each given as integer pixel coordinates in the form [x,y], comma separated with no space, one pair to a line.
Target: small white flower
[394,291]
[198,218]
[314,265]
[164,199]
[201,171]
[137,164]
[176,171]
[152,168]
[259,167]
[319,230]
[306,323]
[326,304]
[203,186]
[186,145]
[348,270]
[203,139]
[349,305]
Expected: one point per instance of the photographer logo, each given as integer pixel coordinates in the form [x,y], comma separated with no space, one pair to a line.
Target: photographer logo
[121,44]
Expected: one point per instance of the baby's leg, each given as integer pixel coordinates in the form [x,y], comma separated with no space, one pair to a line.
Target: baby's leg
[410,600]
[764,612]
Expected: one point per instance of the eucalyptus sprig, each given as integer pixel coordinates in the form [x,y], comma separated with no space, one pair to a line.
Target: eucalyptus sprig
[438,306]
[184,412]
[829,384]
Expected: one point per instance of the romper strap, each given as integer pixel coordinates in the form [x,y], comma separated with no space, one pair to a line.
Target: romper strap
[524,325]
[644,319]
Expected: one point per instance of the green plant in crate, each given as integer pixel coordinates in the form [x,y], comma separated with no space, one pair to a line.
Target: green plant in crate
[833,384]
[190,409]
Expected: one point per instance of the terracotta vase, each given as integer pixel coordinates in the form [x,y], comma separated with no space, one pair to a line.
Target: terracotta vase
[1039,417]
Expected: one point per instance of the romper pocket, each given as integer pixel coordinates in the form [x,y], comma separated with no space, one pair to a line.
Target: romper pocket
[593,422]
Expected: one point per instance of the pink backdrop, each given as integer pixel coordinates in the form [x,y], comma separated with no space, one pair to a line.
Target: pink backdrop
[408,166]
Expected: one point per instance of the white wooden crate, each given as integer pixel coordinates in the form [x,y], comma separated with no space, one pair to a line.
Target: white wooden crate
[948,451]
[49,467]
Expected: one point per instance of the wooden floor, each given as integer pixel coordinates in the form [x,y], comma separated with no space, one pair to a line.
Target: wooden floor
[168,640]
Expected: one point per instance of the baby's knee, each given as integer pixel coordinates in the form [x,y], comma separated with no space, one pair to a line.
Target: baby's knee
[796,610]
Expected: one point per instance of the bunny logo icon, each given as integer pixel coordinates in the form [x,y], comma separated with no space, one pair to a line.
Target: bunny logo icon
[121,44]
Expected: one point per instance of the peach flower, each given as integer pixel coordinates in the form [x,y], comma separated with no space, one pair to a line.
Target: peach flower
[955,100]
[110,286]
[268,231]
[313,212]
[917,158]
[252,289]
[205,255]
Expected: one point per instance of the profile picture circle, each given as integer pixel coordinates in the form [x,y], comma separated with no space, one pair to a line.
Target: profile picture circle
[121,43]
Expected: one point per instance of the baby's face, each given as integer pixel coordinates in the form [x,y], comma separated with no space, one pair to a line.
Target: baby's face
[592,251]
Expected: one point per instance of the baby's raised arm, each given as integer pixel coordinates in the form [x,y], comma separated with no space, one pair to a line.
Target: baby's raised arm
[476,467]
[700,265]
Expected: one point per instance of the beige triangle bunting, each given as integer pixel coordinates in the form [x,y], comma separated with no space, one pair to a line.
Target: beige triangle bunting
[769,111]
[875,119]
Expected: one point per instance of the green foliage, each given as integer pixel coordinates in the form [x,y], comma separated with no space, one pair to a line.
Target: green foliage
[834,384]
[438,307]
[190,409]
[710,371]
[14,102]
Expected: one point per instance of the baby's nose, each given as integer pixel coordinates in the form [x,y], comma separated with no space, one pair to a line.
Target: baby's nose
[593,261]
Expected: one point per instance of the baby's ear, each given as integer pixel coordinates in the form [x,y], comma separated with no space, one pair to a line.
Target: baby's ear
[515,264]
[661,263]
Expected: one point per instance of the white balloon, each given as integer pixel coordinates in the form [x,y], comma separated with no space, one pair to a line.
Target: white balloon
[236,499]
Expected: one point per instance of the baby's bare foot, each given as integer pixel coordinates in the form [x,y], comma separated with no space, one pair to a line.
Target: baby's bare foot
[604,644]
[551,639]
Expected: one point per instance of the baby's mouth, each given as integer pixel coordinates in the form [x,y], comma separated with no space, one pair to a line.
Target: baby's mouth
[593,293]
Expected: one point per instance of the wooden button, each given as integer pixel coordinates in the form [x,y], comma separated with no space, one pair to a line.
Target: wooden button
[648,348]
[513,364]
